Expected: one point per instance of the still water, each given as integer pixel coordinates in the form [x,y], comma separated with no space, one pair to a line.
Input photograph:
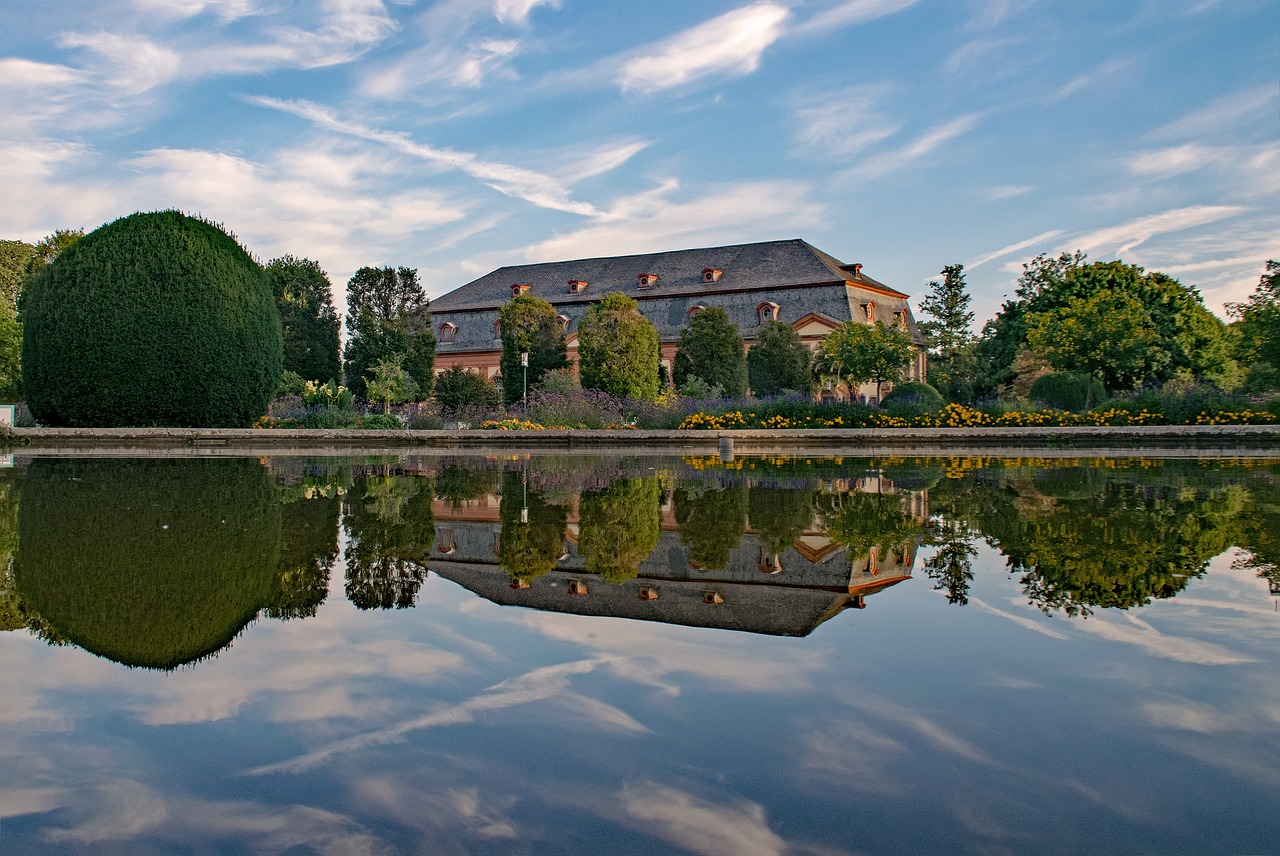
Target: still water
[607,654]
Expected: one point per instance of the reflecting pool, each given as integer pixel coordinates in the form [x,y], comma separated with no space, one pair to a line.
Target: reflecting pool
[636,654]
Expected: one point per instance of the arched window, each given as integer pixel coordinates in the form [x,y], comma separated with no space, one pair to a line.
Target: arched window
[695,309]
[768,311]
[870,308]
[447,331]
[497,329]
[563,321]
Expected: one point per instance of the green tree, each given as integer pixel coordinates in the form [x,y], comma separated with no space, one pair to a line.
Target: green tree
[618,349]
[529,325]
[15,256]
[860,521]
[857,353]
[387,314]
[951,567]
[619,527]
[711,522]
[711,349]
[458,387]
[308,550]
[1257,325]
[1107,335]
[778,361]
[10,355]
[389,383]
[392,528]
[308,320]
[154,319]
[952,354]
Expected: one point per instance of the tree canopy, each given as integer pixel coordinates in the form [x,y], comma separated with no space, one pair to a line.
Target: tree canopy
[618,349]
[858,353]
[308,321]
[1257,323]
[778,361]
[949,329]
[529,325]
[388,314]
[711,349]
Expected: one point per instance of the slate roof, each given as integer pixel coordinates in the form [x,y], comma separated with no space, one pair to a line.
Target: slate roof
[770,264]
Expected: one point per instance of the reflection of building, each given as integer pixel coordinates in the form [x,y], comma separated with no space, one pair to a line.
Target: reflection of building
[788,281]
[783,594]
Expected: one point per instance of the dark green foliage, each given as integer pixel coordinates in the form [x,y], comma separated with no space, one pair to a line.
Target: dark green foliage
[619,527]
[529,325]
[711,349]
[392,527]
[154,319]
[856,353]
[618,349]
[10,355]
[1074,391]
[308,320]
[461,483]
[530,547]
[379,422]
[1257,325]
[779,516]
[15,256]
[952,357]
[148,562]
[860,521]
[951,568]
[458,387]
[711,523]
[388,314]
[778,362]
[308,549]
[912,399]
[1180,406]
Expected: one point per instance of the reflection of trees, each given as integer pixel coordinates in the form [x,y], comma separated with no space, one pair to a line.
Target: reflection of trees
[619,527]
[711,522]
[780,515]
[391,527]
[861,521]
[149,562]
[308,549]
[531,548]
[459,483]
[951,568]
[1260,533]
[13,614]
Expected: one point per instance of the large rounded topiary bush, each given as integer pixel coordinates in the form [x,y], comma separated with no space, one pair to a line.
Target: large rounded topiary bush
[154,319]
[913,398]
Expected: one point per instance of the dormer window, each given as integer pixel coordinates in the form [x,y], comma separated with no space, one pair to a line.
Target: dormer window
[647,279]
[712,597]
[870,308]
[695,309]
[768,311]
[519,288]
[711,274]
[648,593]
[447,331]
[563,321]
[497,329]
[577,286]
[900,319]
[577,587]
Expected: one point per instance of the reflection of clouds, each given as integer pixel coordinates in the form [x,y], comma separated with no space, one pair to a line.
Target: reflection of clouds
[649,653]
[864,763]
[700,826]
[19,801]
[438,811]
[537,685]
[122,810]
[1135,631]
[1021,620]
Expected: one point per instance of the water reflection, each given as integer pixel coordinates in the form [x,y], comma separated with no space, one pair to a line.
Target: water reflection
[159,563]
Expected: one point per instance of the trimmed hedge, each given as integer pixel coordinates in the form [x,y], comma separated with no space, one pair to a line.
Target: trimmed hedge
[913,398]
[155,319]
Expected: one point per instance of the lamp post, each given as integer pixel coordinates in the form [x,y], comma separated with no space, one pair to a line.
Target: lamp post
[524,362]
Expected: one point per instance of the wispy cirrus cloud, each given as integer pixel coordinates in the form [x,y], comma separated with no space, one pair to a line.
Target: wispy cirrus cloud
[915,151]
[845,122]
[533,187]
[225,10]
[518,11]
[1038,240]
[1125,237]
[729,45]
[852,12]
[697,825]
[130,64]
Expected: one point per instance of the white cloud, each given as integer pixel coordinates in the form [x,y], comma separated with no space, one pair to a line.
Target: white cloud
[517,11]
[845,122]
[978,50]
[883,163]
[853,12]
[700,826]
[1104,71]
[20,73]
[514,181]
[130,64]
[1006,191]
[226,10]
[731,44]
[1225,116]
[582,165]
[1135,631]
[1121,239]
[649,222]
[977,261]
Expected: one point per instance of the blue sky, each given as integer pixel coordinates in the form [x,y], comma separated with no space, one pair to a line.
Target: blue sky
[456,136]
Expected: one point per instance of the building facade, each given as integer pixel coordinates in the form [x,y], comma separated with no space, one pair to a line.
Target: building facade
[789,281]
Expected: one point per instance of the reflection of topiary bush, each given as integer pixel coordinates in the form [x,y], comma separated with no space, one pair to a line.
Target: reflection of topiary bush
[530,548]
[711,523]
[1074,391]
[154,319]
[912,399]
[619,527]
[147,562]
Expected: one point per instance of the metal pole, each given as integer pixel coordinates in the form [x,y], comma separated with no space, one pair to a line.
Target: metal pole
[524,361]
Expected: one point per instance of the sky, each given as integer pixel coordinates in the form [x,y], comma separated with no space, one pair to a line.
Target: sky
[457,136]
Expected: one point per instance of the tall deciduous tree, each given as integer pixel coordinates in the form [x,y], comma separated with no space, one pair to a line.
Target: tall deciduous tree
[711,349]
[1108,335]
[779,361]
[387,314]
[529,325]
[307,318]
[857,353]
[389,383]
[1257,323]
[618,349]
